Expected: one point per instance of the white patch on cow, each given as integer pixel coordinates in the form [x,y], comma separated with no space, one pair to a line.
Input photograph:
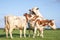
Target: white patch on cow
[37,11]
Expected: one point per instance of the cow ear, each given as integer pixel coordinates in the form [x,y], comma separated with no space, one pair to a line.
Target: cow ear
[29,9]
[51,20]
[25,14]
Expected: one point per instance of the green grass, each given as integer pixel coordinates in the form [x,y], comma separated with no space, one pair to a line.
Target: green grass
[48,35]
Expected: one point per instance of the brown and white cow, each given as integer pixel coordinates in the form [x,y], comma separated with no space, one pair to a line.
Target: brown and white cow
[39,22]
[40,25]
[19,22]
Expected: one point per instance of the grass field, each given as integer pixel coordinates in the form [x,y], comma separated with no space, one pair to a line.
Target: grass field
[48,35]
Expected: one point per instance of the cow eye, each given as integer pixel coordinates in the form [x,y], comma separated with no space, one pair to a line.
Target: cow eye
[37,8]
[29,9]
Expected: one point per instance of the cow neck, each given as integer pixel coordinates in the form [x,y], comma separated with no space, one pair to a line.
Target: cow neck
[27,16]
[34,18]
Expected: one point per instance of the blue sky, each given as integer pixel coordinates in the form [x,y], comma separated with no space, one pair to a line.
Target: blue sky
[50,9]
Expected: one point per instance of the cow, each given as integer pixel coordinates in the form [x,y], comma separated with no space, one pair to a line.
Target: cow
[13,22]
[39,22]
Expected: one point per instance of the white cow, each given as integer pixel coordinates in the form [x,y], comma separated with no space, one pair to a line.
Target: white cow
[12,22]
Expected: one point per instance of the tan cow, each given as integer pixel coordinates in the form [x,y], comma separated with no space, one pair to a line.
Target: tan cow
[12,22]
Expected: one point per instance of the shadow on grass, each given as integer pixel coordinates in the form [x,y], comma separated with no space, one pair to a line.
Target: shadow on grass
[2,35]
[14,35]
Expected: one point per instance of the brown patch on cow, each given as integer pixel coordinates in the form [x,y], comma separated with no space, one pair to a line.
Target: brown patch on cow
[44,22]
[39,22]
[27,16]
[51,23]
[21,28]
[34,18]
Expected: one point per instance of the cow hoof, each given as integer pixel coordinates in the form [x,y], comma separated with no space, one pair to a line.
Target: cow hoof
[41,36]
[12,38]
[6,37]
[38,35]
[20,36]
[33,37]
[29,35]
[24,36]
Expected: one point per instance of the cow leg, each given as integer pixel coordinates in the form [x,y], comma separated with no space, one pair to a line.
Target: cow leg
[29,32]
[34,32]
[29,28]
[41,30]
[20,33]
[10,31]
[25,31]
[6,32]
[42,34]
[38,33]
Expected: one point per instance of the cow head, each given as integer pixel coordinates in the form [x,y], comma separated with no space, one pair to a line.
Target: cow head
[32,12]
[52,24]
[34,18]
[28,16]
[35,10]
